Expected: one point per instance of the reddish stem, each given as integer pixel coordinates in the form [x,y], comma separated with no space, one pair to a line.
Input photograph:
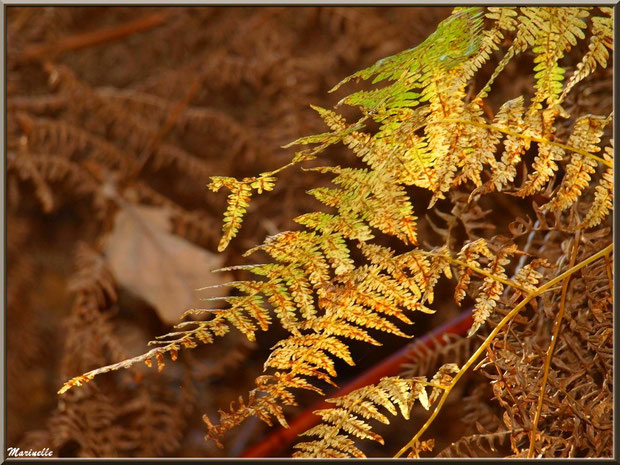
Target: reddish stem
[89,39]
[391,365]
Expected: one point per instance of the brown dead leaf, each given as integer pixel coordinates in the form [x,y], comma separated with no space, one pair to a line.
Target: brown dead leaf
[157,266]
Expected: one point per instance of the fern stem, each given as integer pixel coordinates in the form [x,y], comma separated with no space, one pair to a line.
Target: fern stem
[540,140]
[610,279]
[550,349]
[499,279]
[494,333]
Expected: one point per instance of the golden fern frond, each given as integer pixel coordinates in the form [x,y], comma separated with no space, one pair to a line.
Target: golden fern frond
[527,277]
[442,378]
[544,166]
[266,407]
[348,225]
[469,255]
[410,291]
[504,20]
[372,195]
[238,201]
[354,303]
[309,355]
[351,412]
[417,161]
[491,289]
[493,283]
[446,95]
[602,39]
[431,134]
[582,142]
[586,136]
[509,116]
[603,196]
[551,31]
[301,248]
[288,282]
[339,129]
[480,151]
[331,326]
[202,332]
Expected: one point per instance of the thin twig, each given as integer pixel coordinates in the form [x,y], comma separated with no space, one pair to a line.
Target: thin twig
[499,279]
[550,349]
[540,140]
[492,336]
[90,39]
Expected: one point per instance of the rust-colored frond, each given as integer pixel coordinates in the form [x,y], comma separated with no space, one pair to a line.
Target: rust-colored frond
[43,170]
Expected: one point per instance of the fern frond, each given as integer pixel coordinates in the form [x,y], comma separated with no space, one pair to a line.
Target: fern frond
[309,355]
[59,136]
[42,170]
[455,39]
[446,95]
[544,166]
[551,31]
[509,116]
[266,407]
[491,289]
[598,54]
[328,325]
[443,377]
[603,196]
[504,20]
[203,332]
[301,248]
[469,254]
[373,196]
[527,276]
[586,136]
[417,161]
[477,445]
[348,225]
[352,410]
[238,201]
